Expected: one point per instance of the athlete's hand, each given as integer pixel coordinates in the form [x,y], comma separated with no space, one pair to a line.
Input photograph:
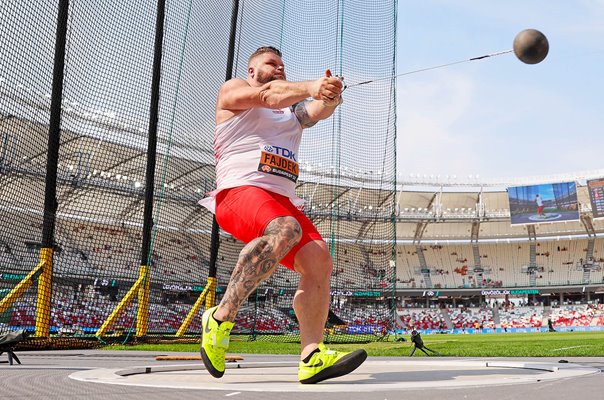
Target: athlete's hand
[336,100]
[328,74]
[327,88]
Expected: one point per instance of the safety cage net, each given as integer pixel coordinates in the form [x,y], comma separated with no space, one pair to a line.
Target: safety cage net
[106,130]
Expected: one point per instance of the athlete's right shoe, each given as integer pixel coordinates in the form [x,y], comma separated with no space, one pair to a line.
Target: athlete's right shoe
[327,364]
[214,342]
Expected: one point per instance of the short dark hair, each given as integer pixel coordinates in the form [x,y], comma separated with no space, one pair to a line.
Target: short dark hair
[262,50]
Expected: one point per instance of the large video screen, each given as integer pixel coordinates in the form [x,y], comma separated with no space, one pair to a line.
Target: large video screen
[596,197]
[549,202]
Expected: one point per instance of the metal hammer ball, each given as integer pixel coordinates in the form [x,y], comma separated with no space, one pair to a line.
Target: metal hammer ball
[531,46]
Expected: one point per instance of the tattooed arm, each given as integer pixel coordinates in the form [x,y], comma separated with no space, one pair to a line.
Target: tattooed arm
[311,112]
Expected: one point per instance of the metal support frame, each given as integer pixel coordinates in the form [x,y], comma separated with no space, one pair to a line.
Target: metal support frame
[532,273]
[43,302]
[117,311]
[208,295]
[21,287]
[476,252]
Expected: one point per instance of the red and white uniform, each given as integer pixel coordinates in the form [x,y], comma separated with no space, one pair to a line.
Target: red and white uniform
[539,204]
[258,147]
[256,172]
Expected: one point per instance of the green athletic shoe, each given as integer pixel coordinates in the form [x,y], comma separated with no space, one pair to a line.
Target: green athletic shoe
[214,342]
[327,364]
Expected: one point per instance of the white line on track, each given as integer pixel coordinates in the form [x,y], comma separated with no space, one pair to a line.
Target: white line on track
[566,348]
[232,394]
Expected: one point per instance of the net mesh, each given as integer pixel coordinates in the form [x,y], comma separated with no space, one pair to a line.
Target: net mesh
[25,85]
[347,162]
[99,273]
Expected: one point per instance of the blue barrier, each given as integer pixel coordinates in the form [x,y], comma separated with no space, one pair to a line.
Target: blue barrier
[374,328]
[363,329]
[502,330]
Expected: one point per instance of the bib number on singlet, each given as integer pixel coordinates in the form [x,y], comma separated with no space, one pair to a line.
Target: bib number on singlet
[275,164]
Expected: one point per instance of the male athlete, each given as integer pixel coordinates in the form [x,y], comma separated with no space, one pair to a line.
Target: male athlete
[259,123]
[540,206]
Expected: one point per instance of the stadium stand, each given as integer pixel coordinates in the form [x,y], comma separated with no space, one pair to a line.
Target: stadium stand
[420,318]
[577,315]
[440,224]
[466,318]
[521,317]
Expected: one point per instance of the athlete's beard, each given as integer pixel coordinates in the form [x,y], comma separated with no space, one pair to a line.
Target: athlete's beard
[263,78]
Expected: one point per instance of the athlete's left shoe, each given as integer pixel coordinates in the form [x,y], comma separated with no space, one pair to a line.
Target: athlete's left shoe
[327,364]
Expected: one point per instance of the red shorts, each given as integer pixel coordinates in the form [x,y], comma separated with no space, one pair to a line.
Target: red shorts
[245,211]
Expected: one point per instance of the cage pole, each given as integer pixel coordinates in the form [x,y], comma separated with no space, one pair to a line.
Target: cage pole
[142,319]
[142,284]
[215,243]
[50,194]
[209,293]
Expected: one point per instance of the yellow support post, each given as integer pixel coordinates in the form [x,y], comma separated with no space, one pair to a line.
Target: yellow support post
[21,287]
[44,294]
[142,317]
[119,308]
[189,318]
[211,296]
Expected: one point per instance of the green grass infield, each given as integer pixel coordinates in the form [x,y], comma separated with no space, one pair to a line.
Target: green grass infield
[558,344]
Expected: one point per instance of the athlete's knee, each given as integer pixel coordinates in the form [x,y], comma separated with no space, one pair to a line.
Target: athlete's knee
[287,229]
[325,262]
[314,260]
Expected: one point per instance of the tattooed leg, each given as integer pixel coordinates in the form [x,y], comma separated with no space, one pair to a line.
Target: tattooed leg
[257,262]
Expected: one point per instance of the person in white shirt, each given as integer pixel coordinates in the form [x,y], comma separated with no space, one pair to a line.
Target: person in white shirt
[259,124]
[540,206]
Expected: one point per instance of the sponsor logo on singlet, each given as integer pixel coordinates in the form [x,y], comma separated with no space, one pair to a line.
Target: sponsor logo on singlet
[278,161]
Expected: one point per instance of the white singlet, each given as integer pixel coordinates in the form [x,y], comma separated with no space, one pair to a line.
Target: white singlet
[258,147]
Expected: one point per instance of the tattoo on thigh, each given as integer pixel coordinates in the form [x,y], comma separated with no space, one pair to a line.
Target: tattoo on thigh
[258,260]
[284,231]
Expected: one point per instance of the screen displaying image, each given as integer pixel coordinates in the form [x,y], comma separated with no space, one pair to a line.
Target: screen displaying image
[549,202]
[596,197]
